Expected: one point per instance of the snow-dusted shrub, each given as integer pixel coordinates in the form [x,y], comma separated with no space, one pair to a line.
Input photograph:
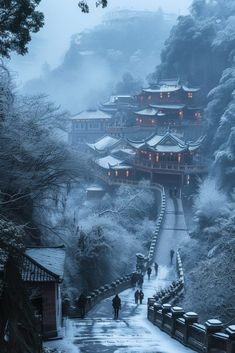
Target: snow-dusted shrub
[210,204]
[102,236]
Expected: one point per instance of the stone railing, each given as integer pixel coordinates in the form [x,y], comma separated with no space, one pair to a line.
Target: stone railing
[129,280]
[160,218]
[184,327]
[171,293]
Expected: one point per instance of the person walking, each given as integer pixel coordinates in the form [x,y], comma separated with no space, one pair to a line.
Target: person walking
[116,302]
[172,255]
[141,296]
[141,280]
[82,301]
[137,296]
[175,191]
[156,268]
[149,271]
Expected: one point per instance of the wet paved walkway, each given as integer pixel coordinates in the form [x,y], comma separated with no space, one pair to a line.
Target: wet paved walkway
[100,333]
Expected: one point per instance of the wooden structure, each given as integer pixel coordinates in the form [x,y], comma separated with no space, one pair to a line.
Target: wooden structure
[118,103]
[88,126]
[19,329]
[169,103]
[167,157]
[42,271]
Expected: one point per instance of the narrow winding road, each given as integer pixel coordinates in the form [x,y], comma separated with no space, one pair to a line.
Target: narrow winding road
[132,332]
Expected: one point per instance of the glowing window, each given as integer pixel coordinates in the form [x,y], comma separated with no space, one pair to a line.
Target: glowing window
[150,156]
[168,94]
[181,114]
[157,157]
[127,173]
[190,95]
[116,172]
[109,173]
[198,115]
[161,95]
[149,98]
[179,157]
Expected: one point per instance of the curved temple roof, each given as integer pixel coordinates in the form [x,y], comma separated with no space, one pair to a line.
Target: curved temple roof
[165,143]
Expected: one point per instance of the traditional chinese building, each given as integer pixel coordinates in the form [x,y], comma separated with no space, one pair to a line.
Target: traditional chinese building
[19,328]
[88,126]
[166,158]
[42,270]
[112,157]
[169,103]
[118,103]
[104,145]
[113,167]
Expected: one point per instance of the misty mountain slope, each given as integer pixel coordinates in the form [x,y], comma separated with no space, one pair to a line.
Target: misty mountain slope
[96,60]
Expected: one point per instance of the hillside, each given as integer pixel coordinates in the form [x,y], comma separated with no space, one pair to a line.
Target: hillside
[127,41]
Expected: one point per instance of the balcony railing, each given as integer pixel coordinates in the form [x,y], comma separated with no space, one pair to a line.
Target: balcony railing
[185,168]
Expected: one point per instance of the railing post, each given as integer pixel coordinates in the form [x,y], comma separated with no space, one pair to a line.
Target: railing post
[231,341]
[176,312]
[151,302]
[190,319]
[156,307]
[212,326]
[166,308]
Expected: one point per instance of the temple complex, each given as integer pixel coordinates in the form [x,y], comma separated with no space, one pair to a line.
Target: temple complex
[167,103]
[159,158]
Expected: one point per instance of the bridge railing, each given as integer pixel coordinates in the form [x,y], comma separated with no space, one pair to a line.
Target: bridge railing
[184,327]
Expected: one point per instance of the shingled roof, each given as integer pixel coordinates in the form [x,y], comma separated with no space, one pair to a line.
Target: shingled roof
[43,264]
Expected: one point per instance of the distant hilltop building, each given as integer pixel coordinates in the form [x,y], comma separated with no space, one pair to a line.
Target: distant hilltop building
[169,102]
[119,103]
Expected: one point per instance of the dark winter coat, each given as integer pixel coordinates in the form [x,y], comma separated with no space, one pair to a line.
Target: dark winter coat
[137,294]
[149,270]
[82,301]
[116,302]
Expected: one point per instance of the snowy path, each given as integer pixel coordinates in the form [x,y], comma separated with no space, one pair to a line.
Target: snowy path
[132,332]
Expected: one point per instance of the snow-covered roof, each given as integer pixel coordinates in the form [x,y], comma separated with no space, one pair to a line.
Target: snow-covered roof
[163,88]
[117,97]
[147,111]
[91,115]
[108,161]
[111,162]
[190,89]
[103,143]
[95,188]
[165,143]
[168,106]
[170,85]
[127,151]
[50,258]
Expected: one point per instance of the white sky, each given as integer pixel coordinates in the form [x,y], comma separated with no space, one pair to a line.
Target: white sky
[63,19]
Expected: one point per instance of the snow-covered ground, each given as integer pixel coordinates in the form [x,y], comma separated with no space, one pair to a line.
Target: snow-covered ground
[99,332]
